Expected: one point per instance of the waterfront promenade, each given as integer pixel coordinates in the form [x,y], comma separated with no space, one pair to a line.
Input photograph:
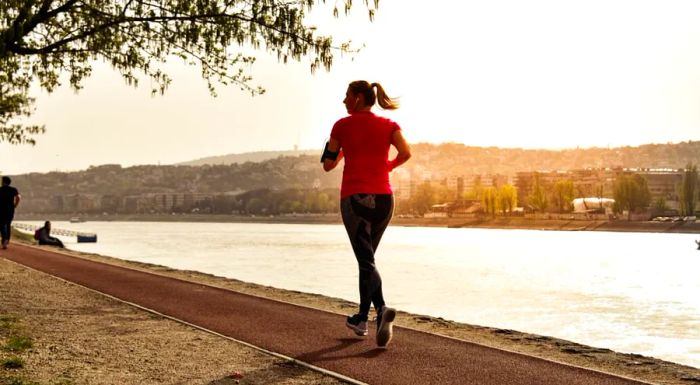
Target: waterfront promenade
[312,336]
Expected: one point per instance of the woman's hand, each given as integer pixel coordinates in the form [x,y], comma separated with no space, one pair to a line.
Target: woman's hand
[404,151]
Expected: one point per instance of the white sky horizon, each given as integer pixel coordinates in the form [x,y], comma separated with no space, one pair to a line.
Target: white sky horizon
[543,75]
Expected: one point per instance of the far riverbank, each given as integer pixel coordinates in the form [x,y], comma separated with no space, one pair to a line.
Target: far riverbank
[493,223]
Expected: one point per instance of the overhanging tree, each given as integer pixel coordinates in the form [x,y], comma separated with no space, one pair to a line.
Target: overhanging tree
[43,40]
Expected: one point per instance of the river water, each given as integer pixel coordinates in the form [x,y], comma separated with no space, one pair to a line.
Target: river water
[629,292]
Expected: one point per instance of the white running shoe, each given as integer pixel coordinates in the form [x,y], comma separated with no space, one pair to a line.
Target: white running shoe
[385,321]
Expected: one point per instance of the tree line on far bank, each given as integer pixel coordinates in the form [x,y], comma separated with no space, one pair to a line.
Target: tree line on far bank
[632,194]
[298,185]
[272,202]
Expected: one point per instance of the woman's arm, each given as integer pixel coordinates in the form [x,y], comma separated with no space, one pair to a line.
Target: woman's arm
[404,151]
[333,146]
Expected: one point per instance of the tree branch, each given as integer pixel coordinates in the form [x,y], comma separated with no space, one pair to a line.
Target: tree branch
[120,19]
[206,64]
[45,6]
[44,15]
[52,47]
[10,34]
[126,6]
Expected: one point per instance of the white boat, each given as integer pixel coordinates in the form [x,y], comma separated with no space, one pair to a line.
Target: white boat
[76,220]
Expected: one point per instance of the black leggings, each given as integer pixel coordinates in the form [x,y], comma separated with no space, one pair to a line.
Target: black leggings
[365,217]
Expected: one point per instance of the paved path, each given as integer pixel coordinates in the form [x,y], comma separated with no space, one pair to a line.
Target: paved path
[313,336]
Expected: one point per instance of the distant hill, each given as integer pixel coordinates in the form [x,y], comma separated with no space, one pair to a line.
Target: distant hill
[299,174]
[294,169]
[258,156]
[446,159]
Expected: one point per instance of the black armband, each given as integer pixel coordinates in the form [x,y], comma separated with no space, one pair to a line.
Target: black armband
[328,154]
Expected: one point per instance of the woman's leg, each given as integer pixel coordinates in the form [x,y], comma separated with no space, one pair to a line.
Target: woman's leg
[365,217]
[385,206]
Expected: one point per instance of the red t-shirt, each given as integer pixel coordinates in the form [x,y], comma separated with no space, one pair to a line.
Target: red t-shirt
[365,139]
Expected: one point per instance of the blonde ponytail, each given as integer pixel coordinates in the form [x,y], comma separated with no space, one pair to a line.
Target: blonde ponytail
[383,100]
[367,91]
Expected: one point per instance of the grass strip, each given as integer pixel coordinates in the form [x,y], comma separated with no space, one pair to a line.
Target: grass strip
[21,235]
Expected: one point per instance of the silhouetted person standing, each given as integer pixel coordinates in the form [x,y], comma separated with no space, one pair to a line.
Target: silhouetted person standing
[9,199]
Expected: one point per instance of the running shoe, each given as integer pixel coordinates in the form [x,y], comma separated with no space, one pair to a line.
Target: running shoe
[385,320]
[357,324]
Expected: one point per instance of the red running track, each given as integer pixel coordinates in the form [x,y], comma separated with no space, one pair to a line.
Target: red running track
[313,336]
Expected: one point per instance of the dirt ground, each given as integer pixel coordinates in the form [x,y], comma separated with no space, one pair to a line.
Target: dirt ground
[81,337]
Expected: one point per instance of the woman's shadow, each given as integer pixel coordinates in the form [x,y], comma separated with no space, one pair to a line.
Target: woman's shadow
[329,353]
[280,371]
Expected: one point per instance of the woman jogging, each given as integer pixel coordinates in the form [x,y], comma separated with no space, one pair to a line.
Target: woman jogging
[366,200]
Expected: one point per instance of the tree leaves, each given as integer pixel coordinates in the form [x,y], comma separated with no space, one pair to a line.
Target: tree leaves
[13,104]
[42,41]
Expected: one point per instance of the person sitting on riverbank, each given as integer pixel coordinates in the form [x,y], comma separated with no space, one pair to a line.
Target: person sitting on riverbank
[43,235]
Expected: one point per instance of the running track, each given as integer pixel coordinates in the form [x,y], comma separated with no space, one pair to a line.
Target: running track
[312,336]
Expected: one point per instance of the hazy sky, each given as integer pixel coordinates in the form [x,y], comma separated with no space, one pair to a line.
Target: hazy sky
[535,74]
